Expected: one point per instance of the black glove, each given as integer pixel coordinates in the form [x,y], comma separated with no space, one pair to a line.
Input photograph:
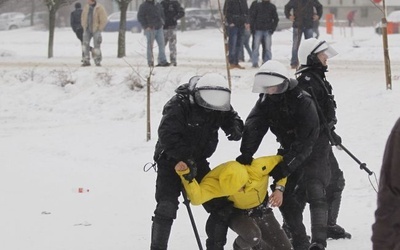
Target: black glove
[337,140]
[235,134]
[193,170]
[244,159]
[281,152]
[280,171]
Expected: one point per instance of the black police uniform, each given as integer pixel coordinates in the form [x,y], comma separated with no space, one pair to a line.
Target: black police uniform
[189,132]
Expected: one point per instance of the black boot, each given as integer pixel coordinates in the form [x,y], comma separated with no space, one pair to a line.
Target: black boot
[237,247]
[337,232]
[319,217]
[316,246]
[216,233]
[160,232]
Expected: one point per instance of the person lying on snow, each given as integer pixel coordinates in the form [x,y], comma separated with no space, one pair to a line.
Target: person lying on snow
[250,216]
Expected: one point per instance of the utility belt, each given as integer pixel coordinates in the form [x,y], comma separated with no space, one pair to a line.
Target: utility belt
[260,210]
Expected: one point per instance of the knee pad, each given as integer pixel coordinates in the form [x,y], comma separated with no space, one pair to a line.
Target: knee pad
[166,209]
[315,190]
[340,182]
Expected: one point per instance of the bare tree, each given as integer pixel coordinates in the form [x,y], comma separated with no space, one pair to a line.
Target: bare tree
[53,6]
[123,7]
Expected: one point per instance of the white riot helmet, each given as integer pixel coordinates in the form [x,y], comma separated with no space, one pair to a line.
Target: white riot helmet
[212,92]
[272,78]
[309,49]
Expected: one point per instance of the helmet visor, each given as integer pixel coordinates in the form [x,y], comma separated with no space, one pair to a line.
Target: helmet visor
[278,89]
[263,82]
[323,46]
[215,98]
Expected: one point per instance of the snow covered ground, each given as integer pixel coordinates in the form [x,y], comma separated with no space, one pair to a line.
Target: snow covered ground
[63,127]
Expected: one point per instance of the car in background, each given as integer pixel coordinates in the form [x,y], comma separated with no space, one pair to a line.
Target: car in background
[132,24]
[196,18]
[283,23]
[11,20]
[393,17]
[39,19]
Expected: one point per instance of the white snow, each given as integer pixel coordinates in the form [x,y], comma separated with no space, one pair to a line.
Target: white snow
[56,137]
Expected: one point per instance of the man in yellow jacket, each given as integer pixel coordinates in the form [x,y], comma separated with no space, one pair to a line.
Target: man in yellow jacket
[93,19]
[247,188]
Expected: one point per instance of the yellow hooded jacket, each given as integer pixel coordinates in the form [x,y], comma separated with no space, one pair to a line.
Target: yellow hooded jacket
[228,178]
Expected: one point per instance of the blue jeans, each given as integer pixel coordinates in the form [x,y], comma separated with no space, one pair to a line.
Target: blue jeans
[235,43]
[297,33]
[158,36]
[258,37]
[97,39]
[246,45]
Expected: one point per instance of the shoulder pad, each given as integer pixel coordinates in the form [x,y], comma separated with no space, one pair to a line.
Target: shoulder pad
[299,93]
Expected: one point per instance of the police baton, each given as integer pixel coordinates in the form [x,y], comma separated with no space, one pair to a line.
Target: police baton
[363,166]
[187,204]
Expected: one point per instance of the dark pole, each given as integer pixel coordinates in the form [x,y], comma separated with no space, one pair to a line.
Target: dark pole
[363,166]
[196,233]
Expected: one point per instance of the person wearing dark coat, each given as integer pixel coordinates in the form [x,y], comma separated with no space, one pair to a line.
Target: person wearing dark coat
[313,58]
[75,20]
[173,11]
[264,19]
[188,133]
[291,115]
[236,13]
[151,17]
[301,13]
[252,9]
[385,230]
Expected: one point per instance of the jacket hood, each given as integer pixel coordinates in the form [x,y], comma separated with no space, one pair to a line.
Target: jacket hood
[183,89]
[233,177]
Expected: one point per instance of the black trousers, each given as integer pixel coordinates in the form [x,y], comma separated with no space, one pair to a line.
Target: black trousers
[168,190]
[261,231]
[308,185]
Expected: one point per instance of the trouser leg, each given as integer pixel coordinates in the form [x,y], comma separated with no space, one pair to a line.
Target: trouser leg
[294,61]
[292,211]
[334,197]
[334,190]
[150,36]
[160,232]
[318,210]
[170,36]
[168,190]
[87,36]
[97,40]
[272,233]
[163,217]
[249,234]
[216,231]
